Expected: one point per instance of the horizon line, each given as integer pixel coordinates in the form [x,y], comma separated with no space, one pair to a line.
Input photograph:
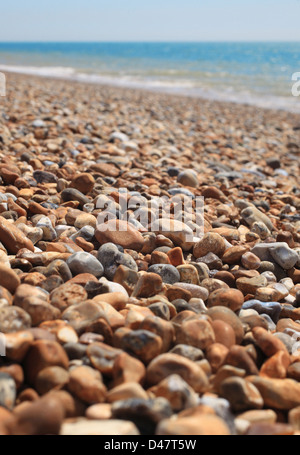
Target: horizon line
[146,41]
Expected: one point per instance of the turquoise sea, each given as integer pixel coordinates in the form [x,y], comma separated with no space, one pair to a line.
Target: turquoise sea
[255,73]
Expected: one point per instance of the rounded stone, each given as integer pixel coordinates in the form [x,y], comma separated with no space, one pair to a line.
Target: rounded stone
[9,279]
[51,378]
[225,314]
[188,178]
[85,263]
[120,233]
[210,243]
[198,333]
[83,182]
[166,364]
[242,395]
[224,333]
[168,273]
[43,354]
[230,298]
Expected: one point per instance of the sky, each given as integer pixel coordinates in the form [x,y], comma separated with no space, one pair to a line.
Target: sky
[155,20]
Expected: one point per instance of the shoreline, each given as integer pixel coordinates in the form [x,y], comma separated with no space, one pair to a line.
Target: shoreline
[209,94]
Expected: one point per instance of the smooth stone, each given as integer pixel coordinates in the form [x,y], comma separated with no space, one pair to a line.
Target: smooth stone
[145,414]
[111,258]
[251,285]
[168,273]
[188,178]
[43,354]
[13,238]
[40,417]
[121,233]
[143,344]
[273,309]
[126,391]
[240,358]
[71,194]
[187,351]
[166,364]
[67,294]
[198,292]
[51,378]
[241,394]
[230,298]
[225,314]
[284,256]
[86,384]
[224,333]
[13,318]
[198,333]
[281,394]
[85,263]
[178,232]
[262,250]
[210,243]
[177,391]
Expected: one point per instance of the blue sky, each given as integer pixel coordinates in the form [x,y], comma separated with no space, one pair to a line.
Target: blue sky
[155,20]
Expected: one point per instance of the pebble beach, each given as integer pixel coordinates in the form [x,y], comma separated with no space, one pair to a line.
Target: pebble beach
[118,327]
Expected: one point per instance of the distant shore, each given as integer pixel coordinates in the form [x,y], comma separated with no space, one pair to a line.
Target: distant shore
[175,87]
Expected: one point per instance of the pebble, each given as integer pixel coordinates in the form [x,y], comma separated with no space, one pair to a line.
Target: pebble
[145,413]
[177,391]
[169,322]
[85,263]
[230,298]
[86,384]
[168,273]
[210,243]
[242,395]
[188,178]
[272,309]
[120,233]
[166,364]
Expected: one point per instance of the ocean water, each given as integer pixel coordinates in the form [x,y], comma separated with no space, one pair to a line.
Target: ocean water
[254,73]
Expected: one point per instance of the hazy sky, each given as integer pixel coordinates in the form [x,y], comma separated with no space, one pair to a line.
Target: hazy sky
[153,20]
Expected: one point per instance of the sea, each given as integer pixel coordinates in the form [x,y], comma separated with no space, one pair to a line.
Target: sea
[265,74]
